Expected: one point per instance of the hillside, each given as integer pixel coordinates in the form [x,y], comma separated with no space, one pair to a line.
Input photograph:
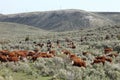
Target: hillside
[61,20]
[13,30]
[114,16]
[60,67]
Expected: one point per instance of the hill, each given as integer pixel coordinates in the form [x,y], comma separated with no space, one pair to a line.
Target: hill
[114,16]
[61,20]
[13,30]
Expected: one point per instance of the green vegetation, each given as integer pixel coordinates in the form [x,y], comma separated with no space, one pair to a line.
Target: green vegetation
[92,40]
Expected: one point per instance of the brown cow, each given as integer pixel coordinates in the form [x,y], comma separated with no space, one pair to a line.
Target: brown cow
[49,56]
[100,57]
[34,58]
[45,55]
[86,53]
[4,52]
[73,56]
[112,54]
[30,54]
[108,59]
[107,50]
[53,52]
[64,51]
[3,58]
[41,55]
[99,61]
[12,54]
[77,61]
[14,59]
[22,53]
[73,46]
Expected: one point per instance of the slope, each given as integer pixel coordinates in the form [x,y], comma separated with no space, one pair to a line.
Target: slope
[61,20]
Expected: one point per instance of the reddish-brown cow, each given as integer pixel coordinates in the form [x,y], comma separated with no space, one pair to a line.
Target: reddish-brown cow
[112,54]
[66,52]
[3,58]
[4,52]
[108,59]
[107,50]
[53,52]
[99,61]
[77,61]
[14,59]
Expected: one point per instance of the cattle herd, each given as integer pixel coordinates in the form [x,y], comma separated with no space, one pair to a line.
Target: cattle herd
[33,55]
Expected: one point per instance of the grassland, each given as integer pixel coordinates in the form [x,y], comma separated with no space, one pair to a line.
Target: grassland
[60,67]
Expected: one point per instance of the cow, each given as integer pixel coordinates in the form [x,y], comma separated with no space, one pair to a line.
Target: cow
[49,56]
[45,55]
[64,51]
[53,52]
[108,50]
[4,52]
[112,54]
[67,40]
[73,46]
[40,45]
[58,44]
[3,58]
[73,56]
[86,53]
[79,63]
[41,55]
[100,57]
[30,54]
[76,61]
[99,61]
[34,58]
[12,54]
[109,60]
[36,50]
[14,59]
[49,43]
[22,54]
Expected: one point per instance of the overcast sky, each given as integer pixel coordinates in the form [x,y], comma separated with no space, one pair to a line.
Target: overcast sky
[19,6]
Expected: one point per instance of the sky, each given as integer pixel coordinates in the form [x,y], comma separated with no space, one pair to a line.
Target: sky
[21,6]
